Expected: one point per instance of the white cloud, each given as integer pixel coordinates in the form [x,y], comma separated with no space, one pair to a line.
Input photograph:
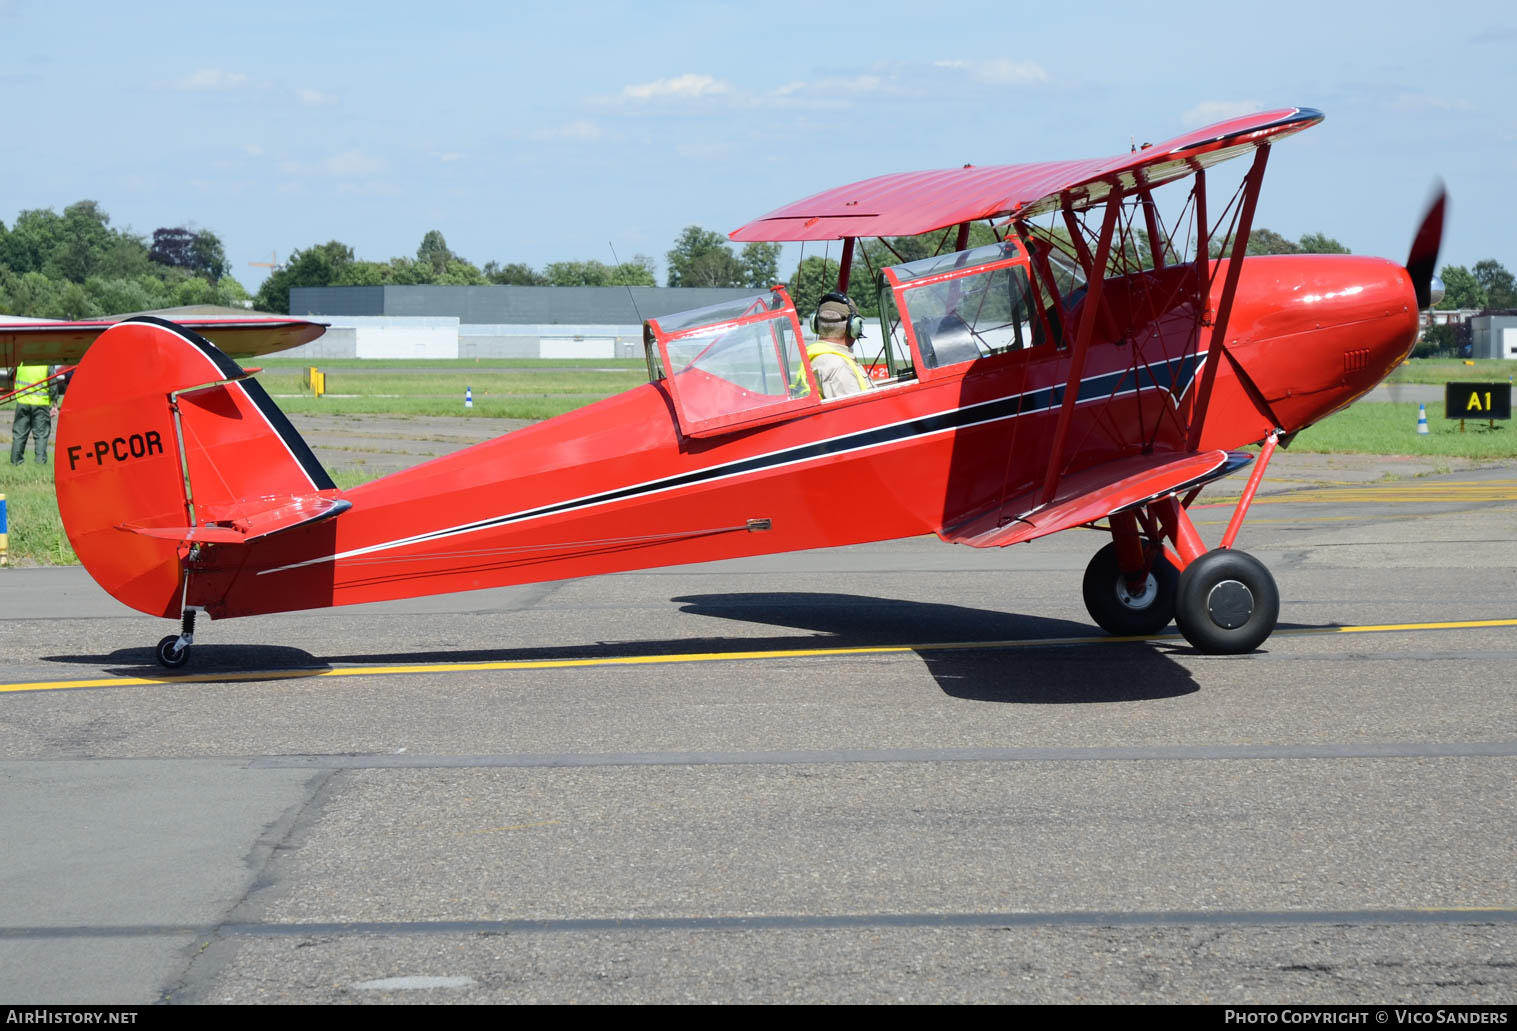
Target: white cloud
[314,98]
[211,79]
[684,87]
[252,150]
[581,129]
[353,163]
[451,155]
[999,70]
[1209,111]
[1423,102]
[828,92]
[857,84]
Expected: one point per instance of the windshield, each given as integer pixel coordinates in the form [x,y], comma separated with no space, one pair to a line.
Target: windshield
[760,357]
[924,267]
[722,312]
[967,305]
[730,363]
[1068,276]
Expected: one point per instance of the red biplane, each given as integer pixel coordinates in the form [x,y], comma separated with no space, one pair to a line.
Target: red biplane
[1099,369]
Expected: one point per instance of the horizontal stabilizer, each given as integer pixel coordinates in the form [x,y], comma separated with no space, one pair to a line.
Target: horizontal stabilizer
[272,515]
[1093,494]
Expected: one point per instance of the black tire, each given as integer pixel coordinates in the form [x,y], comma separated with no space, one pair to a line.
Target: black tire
[1227,603]
[1118,612]
[169,654]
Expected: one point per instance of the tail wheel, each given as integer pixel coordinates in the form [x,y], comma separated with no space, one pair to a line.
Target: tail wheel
[1227,603]
[170,653]
[1126,609]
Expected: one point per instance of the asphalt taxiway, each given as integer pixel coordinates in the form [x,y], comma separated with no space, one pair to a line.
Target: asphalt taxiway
[903,771]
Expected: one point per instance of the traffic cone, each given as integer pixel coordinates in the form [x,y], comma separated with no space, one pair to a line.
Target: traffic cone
[469,399]
[1422,419]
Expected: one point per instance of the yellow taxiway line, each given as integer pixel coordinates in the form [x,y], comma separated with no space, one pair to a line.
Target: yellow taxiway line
[654,660]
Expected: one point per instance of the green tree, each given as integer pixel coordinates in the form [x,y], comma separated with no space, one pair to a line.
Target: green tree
[1460,289]
[123,296]
[84,240]
[29,293]
[199,253]
[207,256]
[1267,241]
[637,272]
[434,252]
[702,258]
[812,278]
[319,265]
[1498,284]
[231,294]
[1321,243]
[1437,341]
[125,257]
[460,273]
[194,291]
[761,265]
[31,240]
[514,274]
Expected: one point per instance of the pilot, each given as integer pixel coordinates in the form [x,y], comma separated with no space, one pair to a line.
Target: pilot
[837,324]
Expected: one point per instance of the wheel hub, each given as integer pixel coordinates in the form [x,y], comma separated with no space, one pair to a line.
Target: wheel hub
[1144,598]
[1229,604]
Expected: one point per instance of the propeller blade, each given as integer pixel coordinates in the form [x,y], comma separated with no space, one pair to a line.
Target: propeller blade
[1423,260]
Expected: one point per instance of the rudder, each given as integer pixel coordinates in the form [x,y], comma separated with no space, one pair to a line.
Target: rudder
[164,437]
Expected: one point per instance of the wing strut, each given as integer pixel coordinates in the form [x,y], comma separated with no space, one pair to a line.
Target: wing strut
[1095,279]
[845,265]
[1217,341]
[1151,222]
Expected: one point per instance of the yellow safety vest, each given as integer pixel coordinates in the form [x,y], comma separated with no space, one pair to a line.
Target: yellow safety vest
[822,347]
[35,377]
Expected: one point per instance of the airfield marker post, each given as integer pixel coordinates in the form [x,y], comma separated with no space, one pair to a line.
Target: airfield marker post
[4,535]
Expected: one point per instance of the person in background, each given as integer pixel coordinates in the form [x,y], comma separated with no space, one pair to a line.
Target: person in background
[36,404]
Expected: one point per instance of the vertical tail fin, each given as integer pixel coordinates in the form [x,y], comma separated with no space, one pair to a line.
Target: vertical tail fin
[163,435]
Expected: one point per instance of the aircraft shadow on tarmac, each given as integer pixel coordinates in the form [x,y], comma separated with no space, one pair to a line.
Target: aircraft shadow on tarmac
[1025,674]
[945,636]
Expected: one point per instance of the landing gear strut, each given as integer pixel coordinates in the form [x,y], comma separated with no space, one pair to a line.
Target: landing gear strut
[174,650]
[1224,601]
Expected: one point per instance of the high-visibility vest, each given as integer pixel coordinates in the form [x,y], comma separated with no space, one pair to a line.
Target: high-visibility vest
[35,377]
[821,347]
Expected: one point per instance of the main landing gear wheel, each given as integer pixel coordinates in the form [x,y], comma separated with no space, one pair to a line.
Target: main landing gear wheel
[1117,608]
[1227,603]
[170,653]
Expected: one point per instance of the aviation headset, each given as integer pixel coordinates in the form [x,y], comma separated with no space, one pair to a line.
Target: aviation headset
[855,320]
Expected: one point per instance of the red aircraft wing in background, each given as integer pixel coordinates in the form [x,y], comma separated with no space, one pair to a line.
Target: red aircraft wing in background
[64,343]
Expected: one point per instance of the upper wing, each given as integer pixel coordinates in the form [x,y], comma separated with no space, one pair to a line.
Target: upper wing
[64,343]
[910,203]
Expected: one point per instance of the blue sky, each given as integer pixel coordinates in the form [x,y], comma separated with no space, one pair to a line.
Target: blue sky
[542,132]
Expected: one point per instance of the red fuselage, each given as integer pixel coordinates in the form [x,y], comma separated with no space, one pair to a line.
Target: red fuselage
[617,485]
